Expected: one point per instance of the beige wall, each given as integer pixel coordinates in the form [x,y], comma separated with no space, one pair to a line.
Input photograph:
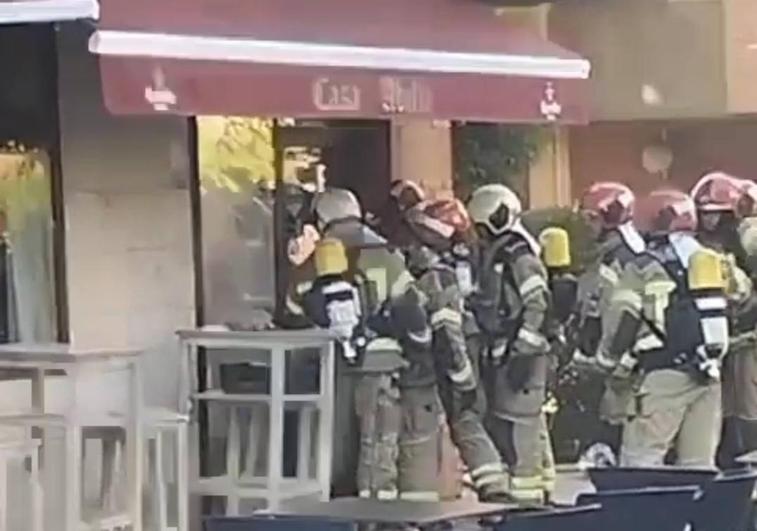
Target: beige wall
[675,49]
[421,151]
[740,19]
[549,176]
[128,243]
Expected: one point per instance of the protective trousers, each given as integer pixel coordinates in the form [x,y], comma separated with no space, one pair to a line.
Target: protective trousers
[465,413]
[674,411]
[420,443]
[377,405]
[739,434]
[515,422]
[400,439]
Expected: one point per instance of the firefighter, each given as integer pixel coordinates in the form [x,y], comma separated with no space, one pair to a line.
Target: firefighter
[393,329]
[608,208]
[555,244]
[667,330]
[717,197]
[404,197]
[439,260]
[510,306]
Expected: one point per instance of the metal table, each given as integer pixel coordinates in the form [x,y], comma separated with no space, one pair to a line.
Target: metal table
[274,488]
[395,512]
[41,360]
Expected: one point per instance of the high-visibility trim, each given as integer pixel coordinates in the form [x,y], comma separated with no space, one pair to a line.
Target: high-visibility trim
[628,297]
[648,342]
[420,495]
[303,287]
[250,50]
[404,280]
[446,315]
[488,468]
[420,336]
[711,303]
[532,338]
[383,344]
[381,495]
[604,362]
[463,375]
[608,274]
[532,283]
[293,307]
[27,11]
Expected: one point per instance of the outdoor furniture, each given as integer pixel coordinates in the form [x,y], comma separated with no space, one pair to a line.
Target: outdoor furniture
[160,423]
[657,508]
[269,355]
[725,503]
[82,368]
[622,478]
[571,519]
[13,450]
[262,523]
[387,512]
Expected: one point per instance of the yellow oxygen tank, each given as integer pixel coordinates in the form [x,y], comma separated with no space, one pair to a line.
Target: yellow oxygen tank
[706,271]
[330,257]
[555,243]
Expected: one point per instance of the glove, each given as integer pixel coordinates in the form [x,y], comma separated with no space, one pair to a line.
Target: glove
[519,371]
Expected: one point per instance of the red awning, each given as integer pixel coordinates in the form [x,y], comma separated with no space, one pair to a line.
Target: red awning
[25,11]
[442,59]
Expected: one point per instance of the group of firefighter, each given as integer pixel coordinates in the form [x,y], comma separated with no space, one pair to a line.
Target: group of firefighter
[455,313]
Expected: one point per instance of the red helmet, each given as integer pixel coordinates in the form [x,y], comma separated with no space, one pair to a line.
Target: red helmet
[717,192]
[439,223]
[609,202]
[667,210]
[451,212]
[407,194]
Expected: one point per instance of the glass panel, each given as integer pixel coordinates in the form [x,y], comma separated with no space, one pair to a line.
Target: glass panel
[27,295]
[236,158]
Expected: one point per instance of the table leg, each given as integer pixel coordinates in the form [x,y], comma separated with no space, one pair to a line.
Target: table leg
[73,465]
[37,503]
[276,435]
[182,481]
[304,442]
[326,419]
[135,447]
[233,458]
[38,407]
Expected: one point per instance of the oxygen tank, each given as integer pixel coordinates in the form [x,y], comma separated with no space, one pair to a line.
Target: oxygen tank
[555,243]
[340,297]
[707,284]
[330,257]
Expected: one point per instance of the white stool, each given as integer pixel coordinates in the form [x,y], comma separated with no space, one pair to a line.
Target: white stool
[21,449]
[157,424]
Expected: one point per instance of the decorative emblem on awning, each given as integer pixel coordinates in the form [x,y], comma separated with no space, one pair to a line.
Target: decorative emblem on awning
[158,94]
[550,107]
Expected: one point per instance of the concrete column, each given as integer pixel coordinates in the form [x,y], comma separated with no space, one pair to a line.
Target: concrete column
[422,152]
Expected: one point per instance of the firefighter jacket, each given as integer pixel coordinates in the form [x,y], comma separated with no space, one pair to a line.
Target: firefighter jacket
[654,319]
[390,302]
[512,299]
[595,286]
[444,303]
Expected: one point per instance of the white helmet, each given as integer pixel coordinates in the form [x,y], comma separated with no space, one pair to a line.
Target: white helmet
[495,207]
[334,204]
